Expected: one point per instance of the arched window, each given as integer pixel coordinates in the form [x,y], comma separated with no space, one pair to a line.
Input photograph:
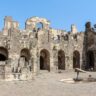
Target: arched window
[39,26]
[75,37]
[66,37]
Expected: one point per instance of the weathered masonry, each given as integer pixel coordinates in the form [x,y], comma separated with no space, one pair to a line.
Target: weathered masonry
[23,53]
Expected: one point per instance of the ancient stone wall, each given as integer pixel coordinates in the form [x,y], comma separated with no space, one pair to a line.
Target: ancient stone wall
[40,47]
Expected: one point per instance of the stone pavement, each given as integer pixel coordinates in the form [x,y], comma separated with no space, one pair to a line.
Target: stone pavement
[48,84]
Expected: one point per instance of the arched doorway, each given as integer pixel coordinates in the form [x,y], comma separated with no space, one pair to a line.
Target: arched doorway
[76,59]
[61,60]
[44,60]
[25,56]
[3,54]
[90,60]
[3,58]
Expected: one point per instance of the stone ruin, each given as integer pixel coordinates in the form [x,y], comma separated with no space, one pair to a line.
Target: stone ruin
[24,53]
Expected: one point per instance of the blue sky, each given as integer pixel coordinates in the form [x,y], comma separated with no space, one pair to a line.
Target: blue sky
[61,13]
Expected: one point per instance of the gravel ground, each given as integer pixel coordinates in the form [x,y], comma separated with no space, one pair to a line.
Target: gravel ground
[48,84]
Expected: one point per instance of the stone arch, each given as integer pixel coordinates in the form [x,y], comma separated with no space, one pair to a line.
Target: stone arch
[90,60]
[61,60]
[44,60]
[3,54]
[76,59]
[25,55]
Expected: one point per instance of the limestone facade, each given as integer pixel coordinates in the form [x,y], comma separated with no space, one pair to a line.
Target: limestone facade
[23,53]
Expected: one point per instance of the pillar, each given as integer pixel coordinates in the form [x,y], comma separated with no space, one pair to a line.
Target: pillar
[55,60]
[51,62]
[35,61]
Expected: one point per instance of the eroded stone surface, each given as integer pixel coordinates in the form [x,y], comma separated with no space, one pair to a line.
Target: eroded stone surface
[40,47]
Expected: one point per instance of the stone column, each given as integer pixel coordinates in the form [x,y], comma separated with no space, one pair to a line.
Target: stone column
[55,60]
[51,62]
[38,60]
[35,62]
[67,62]
[8,70]
[69,58]
[2,70]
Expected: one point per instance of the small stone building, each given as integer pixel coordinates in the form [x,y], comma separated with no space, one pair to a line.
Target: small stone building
[23,53]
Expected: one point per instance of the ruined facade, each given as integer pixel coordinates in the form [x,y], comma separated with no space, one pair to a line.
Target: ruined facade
[23,53]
